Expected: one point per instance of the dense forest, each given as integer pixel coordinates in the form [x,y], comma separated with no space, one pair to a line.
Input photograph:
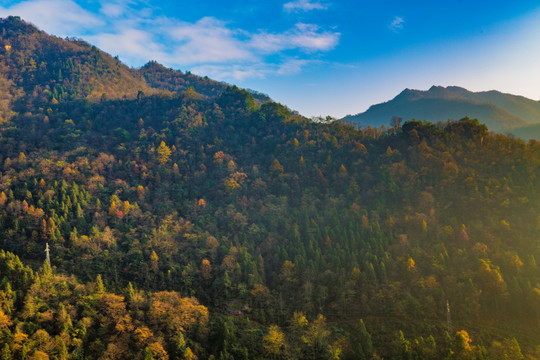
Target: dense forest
[186,219]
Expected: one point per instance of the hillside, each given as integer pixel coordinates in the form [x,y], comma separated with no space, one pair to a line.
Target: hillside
[162,78]
[45,69]
[500,112]
[183,225]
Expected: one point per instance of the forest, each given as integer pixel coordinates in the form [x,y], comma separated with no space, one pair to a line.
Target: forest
[189,219]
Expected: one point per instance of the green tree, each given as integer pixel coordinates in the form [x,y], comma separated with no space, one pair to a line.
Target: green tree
[6,352]
[509,349]
[361,342]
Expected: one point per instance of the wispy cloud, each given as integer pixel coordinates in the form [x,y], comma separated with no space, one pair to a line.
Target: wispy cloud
[304,5]
[303,36]
[208,41]
[133,44]
[61,17]
[208,46]
[112,10]
[293,66]
[396,24]
[253,70]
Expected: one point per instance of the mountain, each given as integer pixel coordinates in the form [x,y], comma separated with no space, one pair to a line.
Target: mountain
[45,67]
[500,112]
[160,77]
[161,216]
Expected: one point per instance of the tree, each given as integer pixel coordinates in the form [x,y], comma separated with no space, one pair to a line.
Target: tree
[316,339]
[100,288]
[172,313]
[361,342]
[276,168]
[63,352]
[402,347]
[6,352]
[164,153]
[180,345]
[490,278]
[206,269]
[189,355]
[462,345]
[5,321]
[274,342]
[154,261]
[508,349]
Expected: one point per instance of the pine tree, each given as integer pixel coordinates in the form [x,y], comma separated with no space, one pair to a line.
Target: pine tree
[180,345]
[100,288]
[6,352]
[363,342]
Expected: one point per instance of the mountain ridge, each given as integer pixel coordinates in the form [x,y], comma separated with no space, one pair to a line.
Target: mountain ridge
[46,67]
[499,111]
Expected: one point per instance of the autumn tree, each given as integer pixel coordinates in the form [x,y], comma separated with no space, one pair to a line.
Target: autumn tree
[274,342]
[172,313]
[164,153]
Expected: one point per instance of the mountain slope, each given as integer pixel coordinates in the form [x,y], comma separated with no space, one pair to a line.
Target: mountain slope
[43,67]
[500,112]
[47,67]
[160,77]
[527,109]
[186,226]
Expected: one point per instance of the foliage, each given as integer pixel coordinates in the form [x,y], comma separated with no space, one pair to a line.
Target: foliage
[188,226]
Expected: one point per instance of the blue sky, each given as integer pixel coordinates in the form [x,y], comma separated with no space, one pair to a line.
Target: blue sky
[320,57]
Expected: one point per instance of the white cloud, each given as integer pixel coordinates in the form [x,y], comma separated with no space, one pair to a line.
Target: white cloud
[206,41]
[112,10]
[292,67]
[307,36]
[136,45]
[58,17]
[208,46]
[396,24]
[252,70]
[303,5]
[303,36]
[236,72]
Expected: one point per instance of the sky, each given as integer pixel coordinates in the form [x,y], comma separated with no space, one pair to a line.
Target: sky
[319,57]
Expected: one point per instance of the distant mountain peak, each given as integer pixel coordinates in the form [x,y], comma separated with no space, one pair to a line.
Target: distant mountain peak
[499,111]
[408,94]
[456,88]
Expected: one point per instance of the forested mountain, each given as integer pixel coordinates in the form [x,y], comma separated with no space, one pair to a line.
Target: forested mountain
[40,67]
[500,112]
[160,77]
[191,223]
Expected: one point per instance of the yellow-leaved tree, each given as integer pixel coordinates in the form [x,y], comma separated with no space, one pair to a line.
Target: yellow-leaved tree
[274,342]
[164,153]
